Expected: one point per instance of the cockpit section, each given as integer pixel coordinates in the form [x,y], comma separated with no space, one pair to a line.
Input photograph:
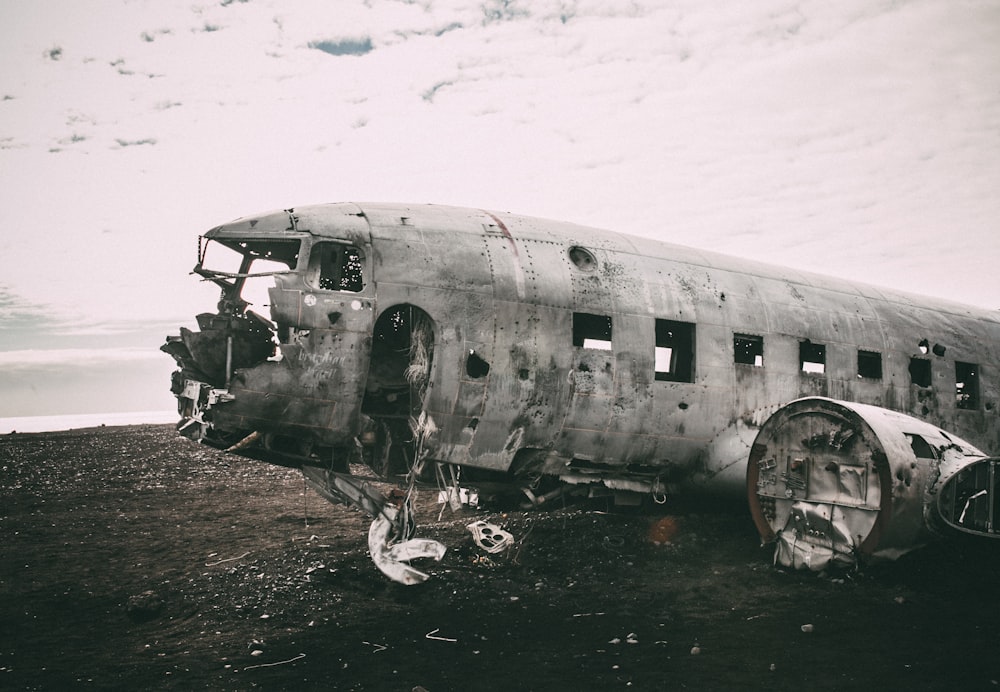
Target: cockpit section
[238,335]
[286,350]
[245,269]
[279,371]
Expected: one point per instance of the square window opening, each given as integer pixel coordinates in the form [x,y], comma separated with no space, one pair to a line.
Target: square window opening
[591,331]
[812,357]
[966,385]
[870,365]
[920,372]
[337,267]
[748,350]
[674,352]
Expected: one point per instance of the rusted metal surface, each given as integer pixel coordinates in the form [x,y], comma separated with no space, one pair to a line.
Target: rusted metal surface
[540,352]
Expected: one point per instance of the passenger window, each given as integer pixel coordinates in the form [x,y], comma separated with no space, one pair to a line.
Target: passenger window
[748,349]
[920,372]
[336,267]
[674,355]
[870,365]
[812,357]
[591,331]
[966,385]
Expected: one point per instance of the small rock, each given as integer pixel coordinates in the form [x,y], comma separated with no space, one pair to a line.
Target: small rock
[695,650]
[807,628]
[144,606]
[256,652]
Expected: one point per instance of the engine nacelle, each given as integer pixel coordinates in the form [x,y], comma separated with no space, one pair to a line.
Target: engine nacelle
[834,482]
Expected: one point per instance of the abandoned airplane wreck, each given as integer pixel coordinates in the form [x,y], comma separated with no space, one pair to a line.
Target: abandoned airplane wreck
[551,358]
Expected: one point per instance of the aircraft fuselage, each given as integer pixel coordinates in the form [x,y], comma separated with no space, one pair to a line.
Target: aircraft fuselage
[536,348]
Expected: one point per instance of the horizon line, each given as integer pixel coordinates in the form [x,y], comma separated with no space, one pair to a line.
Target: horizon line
[75,421]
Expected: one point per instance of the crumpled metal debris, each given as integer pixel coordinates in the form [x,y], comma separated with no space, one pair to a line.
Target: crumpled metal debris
[490,537]
[391,558]
[458,496]
[815,538]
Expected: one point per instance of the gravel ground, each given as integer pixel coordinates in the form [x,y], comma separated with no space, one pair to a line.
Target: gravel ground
[134,559]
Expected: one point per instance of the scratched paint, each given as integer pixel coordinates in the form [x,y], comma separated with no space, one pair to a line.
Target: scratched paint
[541,349]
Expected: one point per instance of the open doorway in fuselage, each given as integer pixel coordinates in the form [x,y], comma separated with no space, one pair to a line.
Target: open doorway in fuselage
[399,371]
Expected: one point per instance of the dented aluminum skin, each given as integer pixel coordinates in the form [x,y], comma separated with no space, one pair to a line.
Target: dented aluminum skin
[547,355]
[835,481]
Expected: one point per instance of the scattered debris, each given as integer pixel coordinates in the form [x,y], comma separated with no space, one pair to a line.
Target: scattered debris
[144,606]
[229,559]
[433,635]
[392,559]
[457,497]
[276,663]
[490,537]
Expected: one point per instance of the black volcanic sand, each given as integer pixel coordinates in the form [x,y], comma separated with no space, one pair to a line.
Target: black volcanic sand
[134,559]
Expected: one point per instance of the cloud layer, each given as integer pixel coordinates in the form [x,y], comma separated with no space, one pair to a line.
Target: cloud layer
[858,139]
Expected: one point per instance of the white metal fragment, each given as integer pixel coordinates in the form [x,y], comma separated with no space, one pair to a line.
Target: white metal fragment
[391,559]
[489,537]
[433,635]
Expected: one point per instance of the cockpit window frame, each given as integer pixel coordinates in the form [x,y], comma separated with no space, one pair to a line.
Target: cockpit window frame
[313,270]
[232,243]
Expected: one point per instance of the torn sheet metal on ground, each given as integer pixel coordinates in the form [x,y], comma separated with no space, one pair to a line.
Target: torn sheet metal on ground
[816,537]
[391,558]
[490,537]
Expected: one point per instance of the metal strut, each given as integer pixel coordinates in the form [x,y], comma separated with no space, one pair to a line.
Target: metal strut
[390,537]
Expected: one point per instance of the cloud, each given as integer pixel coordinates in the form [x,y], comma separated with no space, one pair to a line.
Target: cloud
[856,139]
[29,327]
[67,382]
[15,310]
[50,359]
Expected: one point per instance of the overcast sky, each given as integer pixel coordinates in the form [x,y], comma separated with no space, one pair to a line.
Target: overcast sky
[858,138]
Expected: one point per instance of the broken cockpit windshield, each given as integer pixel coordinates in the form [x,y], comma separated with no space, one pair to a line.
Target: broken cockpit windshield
[245,269]
[239,335]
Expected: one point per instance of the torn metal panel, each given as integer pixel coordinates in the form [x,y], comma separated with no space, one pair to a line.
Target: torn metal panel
[490,537]
[390,541]
[391,557]
[837,482]
[969,495]
[816,536]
